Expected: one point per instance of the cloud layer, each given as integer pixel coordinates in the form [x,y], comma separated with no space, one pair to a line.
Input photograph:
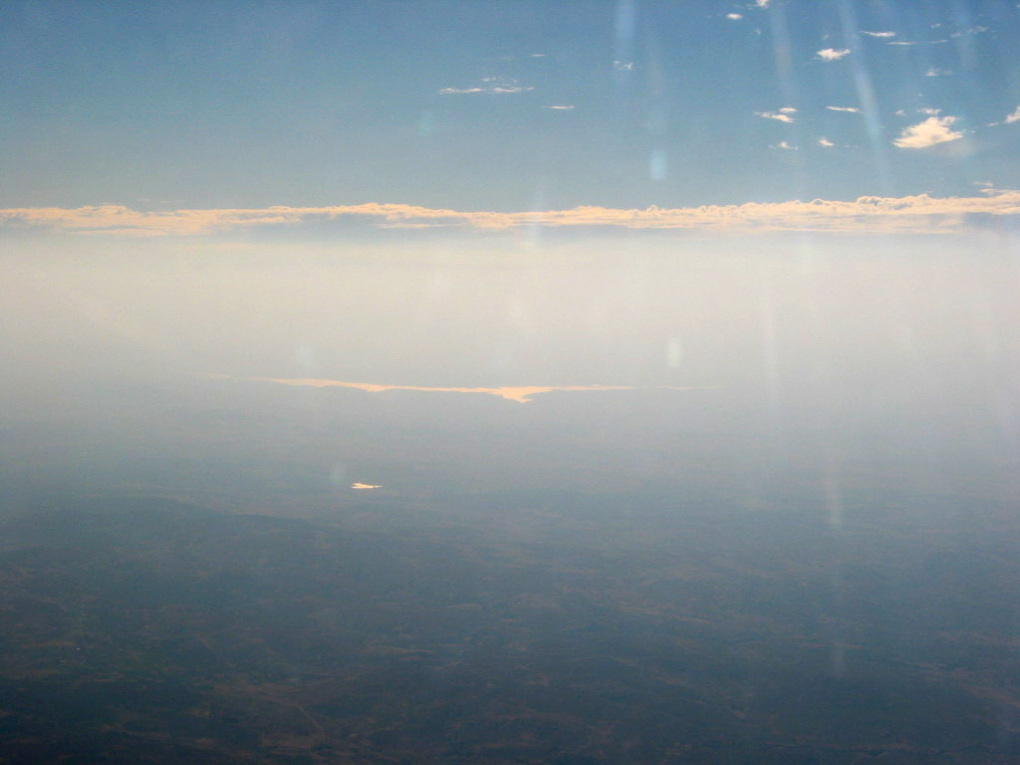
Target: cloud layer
[912,214]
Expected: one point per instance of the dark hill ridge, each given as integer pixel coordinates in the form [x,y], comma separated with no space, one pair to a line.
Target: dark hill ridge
[149,631]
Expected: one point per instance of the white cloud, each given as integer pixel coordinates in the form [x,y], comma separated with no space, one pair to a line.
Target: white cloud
[831,54]
[735,16]
[788,110]
[1013,117]
[825,142]
[912,214]
[929,111]
[560,107]
[932,131]
[851,109]
[762,3]
[623,66]
[785,146]
[782,117]
[878,34]
[915,42]
[934,71]
[491,86]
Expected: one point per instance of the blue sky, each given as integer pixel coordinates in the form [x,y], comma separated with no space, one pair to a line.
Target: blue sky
[450,104]
[489,194]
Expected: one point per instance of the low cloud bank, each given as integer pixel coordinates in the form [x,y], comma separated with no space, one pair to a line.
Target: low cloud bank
[911,214]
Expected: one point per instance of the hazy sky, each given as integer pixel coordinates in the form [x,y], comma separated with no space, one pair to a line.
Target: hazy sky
[491,194]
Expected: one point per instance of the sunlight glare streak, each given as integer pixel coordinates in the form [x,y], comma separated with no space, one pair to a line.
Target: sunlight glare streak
[866,95]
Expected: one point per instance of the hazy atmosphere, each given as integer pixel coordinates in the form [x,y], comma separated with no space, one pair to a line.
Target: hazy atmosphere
[510,382]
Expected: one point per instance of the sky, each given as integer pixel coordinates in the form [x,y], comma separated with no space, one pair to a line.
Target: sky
[485,195]
[505,107]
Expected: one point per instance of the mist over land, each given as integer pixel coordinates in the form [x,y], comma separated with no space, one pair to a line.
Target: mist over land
[788,537]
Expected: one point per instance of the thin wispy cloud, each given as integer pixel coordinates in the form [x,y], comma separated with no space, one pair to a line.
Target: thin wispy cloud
[911,214]
[972,31]
[560,107]
[931,132]
[832,54]
[825,143]
[785,146]
[878,34]
[781,116]
[1009,119]
[734,16]
[850,109]
[491,86]
[762,3]
[521,394]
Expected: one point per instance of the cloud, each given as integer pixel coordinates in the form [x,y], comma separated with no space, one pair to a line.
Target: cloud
[825,142]
[785,146]
[788,110]
[930,111]
[623,66]
[912,214]
[972,31]
[936,72]
[560,107]
[831,54]
[914,42]
[491,86]
[522,394]
[781,115]
[851,109]
[762,3]
[932,131]
[734,16]
[1009,119]
[878,34]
